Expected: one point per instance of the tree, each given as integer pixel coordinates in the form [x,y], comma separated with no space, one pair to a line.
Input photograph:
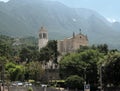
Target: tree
[83,64]
[5,46]
[34,71]
[25,54]
[29,53]
[5,49]
[49,52]
[103,48]
[52,45]
[16,71]
[72,65]
[111,72]
[74,81]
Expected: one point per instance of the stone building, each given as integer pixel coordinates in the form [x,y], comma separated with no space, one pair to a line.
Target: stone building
[64,46]
[43,38]
[69,45]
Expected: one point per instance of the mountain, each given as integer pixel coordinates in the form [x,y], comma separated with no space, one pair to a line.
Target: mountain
[25,17]
[116,26]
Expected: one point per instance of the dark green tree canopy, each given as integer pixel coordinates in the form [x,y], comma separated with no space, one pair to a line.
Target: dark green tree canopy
[74,81]
[111,69]
[83,64]
[49,52]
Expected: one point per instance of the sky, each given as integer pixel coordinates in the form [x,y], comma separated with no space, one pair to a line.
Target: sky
[110,9]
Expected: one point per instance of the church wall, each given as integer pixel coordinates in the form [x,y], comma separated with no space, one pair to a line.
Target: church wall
[71,44]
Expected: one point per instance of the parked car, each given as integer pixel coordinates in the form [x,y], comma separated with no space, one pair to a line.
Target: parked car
[27,84]
[17,83]
[14,84]
[43,85]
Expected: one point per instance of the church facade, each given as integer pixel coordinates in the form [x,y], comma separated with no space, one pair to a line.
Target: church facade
[69,45]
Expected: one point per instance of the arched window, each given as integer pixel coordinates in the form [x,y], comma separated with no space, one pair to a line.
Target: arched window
[40,36]
[44,35]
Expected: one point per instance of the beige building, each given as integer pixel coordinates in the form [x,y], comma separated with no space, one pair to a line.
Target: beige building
[71,44]
[64,46]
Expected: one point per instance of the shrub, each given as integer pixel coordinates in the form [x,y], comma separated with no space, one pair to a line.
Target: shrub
[30,89]
[74,81]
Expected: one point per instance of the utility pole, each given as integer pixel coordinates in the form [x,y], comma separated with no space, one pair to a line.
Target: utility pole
[0,76]
[3,73]
[101,83]
[100,78]
[85,76]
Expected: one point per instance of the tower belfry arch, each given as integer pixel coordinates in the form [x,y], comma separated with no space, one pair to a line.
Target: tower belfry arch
[43,37]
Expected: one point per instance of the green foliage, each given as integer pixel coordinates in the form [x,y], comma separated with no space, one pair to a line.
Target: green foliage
[5,46]
[29,53]
[29,41]
[74,81]
[30,89]
[25,54]
[49,52]
[3,59]
[16,71]
[10,25]
[52,45]
[83,64]
[71,65]
[103,48]
[34,71]
[111,72]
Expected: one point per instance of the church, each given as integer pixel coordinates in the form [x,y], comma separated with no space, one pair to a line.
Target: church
[73,43]
[66,45]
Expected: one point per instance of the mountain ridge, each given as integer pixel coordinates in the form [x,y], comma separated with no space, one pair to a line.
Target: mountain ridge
[27,16]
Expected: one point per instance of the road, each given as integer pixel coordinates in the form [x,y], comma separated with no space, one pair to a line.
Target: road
[26,89]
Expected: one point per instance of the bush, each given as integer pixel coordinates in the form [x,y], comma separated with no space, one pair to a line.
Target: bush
[74,81]
[30,89]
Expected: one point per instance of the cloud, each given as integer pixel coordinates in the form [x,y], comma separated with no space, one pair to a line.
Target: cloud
[74,19]
[111,20]
[4,0]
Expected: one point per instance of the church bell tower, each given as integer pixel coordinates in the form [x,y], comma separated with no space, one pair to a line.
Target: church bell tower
[43,38]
